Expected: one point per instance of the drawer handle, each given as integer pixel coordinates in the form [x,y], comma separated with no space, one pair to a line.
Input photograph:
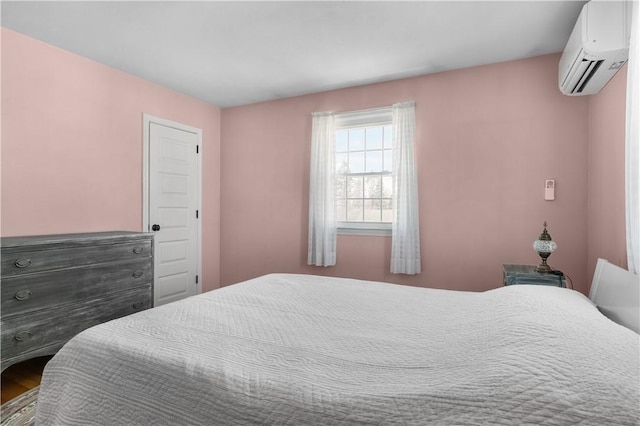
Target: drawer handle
[22,263]
[138,305]
[22,335]
[138,250]
[22,295]
[137,274]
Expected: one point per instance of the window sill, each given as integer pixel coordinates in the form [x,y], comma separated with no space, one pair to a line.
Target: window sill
[372,229]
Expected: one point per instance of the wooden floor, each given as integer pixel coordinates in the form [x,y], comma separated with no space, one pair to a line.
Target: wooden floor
[21,377]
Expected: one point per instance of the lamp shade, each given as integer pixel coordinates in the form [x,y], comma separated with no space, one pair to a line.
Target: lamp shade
[544,246]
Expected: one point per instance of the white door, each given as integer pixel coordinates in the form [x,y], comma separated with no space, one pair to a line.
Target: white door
[174,181]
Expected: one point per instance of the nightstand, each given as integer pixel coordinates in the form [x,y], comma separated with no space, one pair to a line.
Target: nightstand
[526,274]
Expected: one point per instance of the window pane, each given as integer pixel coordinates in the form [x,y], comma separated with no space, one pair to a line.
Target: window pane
[387,210]
[388,160]
[354,187]
[356,139]
[354,210]
[341,141]
[341,187]
[341,209]
[388,140]
[372,211]
[364,185]
[374,138]
[374,161]
[356,162]
[372,187]
[387,186]
[342,163]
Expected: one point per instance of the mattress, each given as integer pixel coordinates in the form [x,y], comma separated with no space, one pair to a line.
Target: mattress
[301,349]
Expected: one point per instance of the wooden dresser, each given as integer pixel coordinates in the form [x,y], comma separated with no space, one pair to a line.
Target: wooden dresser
[54,286]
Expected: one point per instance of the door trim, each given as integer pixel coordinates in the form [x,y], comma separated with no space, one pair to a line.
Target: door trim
[147,119]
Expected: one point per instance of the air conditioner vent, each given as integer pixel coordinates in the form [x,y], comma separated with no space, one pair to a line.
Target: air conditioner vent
[590,70]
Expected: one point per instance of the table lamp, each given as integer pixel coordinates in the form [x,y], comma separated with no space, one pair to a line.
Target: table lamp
[544,246]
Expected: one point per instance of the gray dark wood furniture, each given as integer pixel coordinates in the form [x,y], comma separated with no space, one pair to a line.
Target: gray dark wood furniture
[526,274]
[54,286]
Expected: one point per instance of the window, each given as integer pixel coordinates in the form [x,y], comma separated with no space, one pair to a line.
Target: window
[349,176]
[364,183]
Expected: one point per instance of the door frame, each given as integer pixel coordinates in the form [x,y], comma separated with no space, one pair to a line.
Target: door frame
[147,119]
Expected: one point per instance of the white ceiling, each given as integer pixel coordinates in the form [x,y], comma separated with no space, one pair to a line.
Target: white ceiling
[236,53]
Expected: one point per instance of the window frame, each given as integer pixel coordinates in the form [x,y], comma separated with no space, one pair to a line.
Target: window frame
[364,118]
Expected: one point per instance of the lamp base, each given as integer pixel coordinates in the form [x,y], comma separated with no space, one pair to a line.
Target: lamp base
[543,268]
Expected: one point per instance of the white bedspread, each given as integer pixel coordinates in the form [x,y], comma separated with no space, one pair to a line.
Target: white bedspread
[299,349]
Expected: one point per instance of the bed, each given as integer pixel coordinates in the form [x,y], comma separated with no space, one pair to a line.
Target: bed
[302,349]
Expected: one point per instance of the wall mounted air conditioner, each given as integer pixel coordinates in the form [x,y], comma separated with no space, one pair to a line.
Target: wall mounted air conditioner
[597,48]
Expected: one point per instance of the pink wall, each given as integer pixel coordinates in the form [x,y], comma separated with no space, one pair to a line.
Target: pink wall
[72,145]
[487,138]
[606,207]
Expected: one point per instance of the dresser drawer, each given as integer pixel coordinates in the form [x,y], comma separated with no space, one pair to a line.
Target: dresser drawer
[54,327]
[25,261]
[25,293]
[552,280]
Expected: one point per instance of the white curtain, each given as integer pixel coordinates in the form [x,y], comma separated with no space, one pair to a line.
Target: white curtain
[322,217]
[405,232]
[632,151]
